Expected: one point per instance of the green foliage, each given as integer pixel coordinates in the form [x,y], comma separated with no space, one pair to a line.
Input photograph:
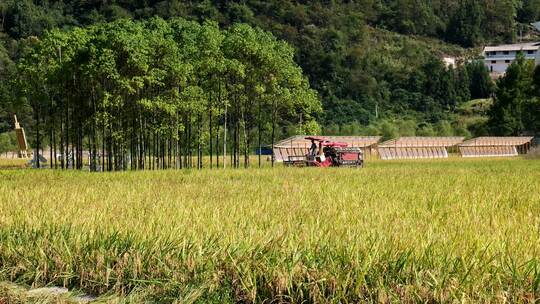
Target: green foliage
[23,18]
[9,103]
[465,27]
[175,82]
[481,85]
[367,60]
[509,113]
[462,83]
[529,11]
[532,107]
[467,22]
[393,128]
[8,142]
[350,51]
[6,66]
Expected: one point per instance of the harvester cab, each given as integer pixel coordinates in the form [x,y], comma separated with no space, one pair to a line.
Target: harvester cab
[325,153]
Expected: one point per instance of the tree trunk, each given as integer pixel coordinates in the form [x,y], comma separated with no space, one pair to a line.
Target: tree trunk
[55,153]
[246,136]
[217,131]
[110,149]
[259,135]
[273,129]
[51,127]
[199,145]
[68,161]
[210,137]
[93,148]
[62,148]
[38,143]
[235,133]
[102,146]
[225,138]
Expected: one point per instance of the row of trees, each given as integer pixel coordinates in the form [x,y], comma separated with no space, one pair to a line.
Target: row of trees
[160,94]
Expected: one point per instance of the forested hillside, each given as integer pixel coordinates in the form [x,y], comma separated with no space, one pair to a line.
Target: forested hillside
[375,64]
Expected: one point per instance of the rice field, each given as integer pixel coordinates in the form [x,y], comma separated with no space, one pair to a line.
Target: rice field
[441,231]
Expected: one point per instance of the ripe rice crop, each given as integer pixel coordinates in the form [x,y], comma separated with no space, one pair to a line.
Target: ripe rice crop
[420,231]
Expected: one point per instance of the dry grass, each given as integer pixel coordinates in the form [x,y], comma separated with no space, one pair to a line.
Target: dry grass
[421,231]
[13,163]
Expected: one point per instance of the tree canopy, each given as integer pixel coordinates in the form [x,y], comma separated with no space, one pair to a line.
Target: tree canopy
[516,107]
[155,93]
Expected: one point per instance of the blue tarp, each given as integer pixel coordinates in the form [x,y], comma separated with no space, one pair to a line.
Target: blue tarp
[263,151]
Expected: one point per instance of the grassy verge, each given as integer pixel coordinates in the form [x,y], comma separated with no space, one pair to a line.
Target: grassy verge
[421,231]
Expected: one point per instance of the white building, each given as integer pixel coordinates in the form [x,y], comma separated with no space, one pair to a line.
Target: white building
[449,61]
[498,58]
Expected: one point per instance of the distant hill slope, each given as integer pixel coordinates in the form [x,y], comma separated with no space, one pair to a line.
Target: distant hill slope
[367,59]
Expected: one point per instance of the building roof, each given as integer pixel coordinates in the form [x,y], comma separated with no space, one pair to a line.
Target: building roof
[387,153]
[529,46]
[422,142]
[496,141]
[352,141]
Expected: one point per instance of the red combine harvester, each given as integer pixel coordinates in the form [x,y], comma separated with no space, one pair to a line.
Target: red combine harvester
[325,153]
